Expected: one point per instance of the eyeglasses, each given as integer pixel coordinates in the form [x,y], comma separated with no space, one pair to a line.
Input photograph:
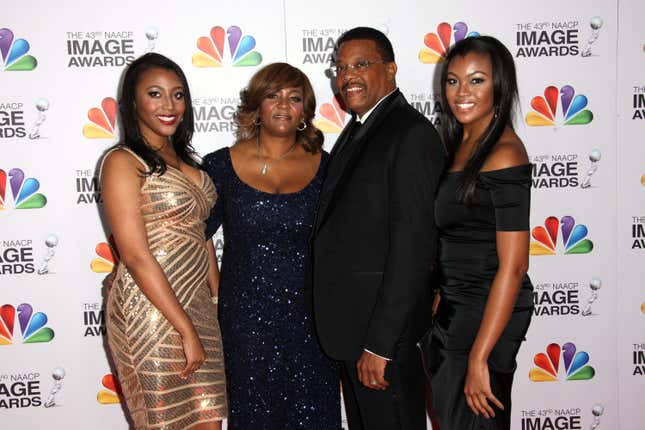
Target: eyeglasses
[361,66]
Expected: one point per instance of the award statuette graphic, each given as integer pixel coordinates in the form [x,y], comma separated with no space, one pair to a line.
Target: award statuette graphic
[597,410]
[151,34]
[595,285]
[594,157]
[50,242]
[596,24]
[58,373]
[42,105]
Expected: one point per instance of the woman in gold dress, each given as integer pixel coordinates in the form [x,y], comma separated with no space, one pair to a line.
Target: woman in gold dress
[162,326]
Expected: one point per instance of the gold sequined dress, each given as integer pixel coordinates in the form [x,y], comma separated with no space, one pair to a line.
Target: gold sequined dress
[146,348]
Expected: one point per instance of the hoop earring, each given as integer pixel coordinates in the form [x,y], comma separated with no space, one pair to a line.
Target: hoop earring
[257,122]
[303,125]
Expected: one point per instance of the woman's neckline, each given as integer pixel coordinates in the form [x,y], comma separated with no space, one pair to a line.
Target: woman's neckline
[450,172]
[230,161]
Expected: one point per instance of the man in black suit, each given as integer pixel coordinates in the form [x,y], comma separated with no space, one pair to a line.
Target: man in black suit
[375,239]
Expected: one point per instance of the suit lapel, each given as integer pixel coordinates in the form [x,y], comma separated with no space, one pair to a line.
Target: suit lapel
[343,137]
[327,188]
[353,152]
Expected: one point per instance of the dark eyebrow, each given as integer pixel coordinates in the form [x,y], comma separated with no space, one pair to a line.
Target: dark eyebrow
[469,74]
[155,86]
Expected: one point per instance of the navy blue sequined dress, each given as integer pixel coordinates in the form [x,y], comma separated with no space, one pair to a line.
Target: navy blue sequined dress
[277,376]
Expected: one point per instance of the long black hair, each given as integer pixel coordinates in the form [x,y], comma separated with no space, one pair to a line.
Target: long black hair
[504,100]
[131,135]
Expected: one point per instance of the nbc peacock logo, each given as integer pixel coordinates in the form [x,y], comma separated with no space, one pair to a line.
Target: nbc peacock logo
[14,53]
[110,393]
[23,191]
[32,325]
[437,44]
[106,258]
[574,237]
[240,49]
[333,116]
[548,364]
[571,108]
[102,120]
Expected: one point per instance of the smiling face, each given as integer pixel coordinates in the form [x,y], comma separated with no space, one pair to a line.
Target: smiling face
[469,90]
[362,89]
[281,112]
[160,104]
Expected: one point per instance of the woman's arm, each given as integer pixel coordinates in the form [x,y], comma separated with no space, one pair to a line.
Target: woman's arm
[121,189]
[213,270]
[513,257]
[512,251]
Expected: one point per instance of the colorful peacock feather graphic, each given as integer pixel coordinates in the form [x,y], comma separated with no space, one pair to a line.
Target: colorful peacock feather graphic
[575,364]
[437,44]
[14,52]
[32,325]
[111,391]
[102,120]
[333,116]
[107,257]
[211,48]
[572,107]
[23,190]
[574,237]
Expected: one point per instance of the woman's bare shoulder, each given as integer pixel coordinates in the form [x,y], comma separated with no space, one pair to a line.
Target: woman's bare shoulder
[508,152]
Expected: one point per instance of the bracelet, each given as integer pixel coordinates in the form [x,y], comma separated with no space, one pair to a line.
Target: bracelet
[214,299]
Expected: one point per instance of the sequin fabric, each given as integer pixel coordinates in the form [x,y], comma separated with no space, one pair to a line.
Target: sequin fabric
[147,350]
[278,377]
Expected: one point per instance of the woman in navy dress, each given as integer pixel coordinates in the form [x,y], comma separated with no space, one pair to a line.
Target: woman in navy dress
[268,184]
[482,212]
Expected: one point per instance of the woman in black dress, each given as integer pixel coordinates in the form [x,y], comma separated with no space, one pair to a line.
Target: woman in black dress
[482,212]
[268,184]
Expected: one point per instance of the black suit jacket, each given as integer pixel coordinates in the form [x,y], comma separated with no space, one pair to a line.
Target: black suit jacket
[374,239]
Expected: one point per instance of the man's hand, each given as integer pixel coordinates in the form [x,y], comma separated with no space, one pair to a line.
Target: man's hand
[371,371]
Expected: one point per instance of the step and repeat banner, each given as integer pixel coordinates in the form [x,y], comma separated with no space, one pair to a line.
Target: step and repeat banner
[581,68]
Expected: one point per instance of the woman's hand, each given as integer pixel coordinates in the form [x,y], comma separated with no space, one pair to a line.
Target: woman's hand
[194,352]
[477,389]
[109,280]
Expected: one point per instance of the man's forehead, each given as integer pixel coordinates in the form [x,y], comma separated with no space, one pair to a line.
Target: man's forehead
[357,48]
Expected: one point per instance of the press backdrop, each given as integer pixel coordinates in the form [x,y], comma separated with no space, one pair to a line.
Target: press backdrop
[581,67]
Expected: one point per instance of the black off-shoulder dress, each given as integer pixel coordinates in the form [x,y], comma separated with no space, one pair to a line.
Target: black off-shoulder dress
[468,263]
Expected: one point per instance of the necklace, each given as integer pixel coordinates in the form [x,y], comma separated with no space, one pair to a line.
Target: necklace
[265,163]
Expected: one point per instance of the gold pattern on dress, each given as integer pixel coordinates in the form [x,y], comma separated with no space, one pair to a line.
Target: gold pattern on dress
[146,348]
